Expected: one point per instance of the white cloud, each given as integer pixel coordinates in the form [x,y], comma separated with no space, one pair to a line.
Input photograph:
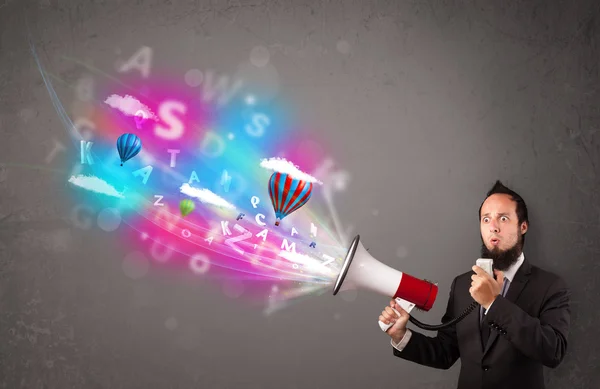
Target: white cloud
[95,184]
[130,106]
[205,196]
[282,165]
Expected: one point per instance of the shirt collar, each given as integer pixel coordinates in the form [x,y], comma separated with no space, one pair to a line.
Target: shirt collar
[511,271]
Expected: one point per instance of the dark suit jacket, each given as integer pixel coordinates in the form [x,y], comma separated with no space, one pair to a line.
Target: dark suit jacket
[529,330]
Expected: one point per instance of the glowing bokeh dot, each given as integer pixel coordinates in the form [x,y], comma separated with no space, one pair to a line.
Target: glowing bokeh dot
[349,295]
[171,324]
[26,114]
[340,182]
[343,47]
[109,219]
[401,252]
[259,56]
[193,77]
[200,264]
[135,265]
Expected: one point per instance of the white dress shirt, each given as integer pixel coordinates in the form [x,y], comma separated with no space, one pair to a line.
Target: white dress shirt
[509,274]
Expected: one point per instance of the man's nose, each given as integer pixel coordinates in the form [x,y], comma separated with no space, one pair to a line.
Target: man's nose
[494,227]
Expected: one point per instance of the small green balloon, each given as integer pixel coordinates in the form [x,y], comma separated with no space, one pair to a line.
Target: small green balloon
[186,206]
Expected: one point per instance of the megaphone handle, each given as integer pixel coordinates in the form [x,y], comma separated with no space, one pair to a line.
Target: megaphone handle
[406,305]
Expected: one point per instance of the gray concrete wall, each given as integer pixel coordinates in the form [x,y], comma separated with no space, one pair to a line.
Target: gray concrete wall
[425,104]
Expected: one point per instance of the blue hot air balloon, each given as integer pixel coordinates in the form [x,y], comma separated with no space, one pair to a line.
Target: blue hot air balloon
[128,145]
[287,194]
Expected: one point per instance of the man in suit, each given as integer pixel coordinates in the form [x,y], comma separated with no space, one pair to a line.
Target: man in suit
[521,323]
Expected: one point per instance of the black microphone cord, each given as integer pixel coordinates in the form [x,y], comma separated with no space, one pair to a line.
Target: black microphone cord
[431,327]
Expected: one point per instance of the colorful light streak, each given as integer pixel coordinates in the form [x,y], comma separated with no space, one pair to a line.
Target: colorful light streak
[187,146]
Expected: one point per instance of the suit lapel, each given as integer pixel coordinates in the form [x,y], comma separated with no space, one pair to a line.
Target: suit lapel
[515,289]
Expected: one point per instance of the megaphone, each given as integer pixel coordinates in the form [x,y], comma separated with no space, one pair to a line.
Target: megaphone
[361,270]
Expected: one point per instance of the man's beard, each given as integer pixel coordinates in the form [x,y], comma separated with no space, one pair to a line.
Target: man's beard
[503,259]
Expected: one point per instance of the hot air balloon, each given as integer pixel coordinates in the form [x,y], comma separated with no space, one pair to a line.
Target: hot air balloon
[287,194]
[128,145]
[186,207]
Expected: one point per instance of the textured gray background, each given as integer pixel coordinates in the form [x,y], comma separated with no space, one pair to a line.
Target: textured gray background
[426,104]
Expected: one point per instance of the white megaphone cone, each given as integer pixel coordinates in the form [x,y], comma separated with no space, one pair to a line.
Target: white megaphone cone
[361,270]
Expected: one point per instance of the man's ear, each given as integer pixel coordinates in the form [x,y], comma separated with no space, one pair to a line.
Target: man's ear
[524,227]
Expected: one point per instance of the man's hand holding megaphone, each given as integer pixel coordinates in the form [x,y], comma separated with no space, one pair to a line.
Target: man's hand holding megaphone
[395,314]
